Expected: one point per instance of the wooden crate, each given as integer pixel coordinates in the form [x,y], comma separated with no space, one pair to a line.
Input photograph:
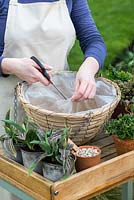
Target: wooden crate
[112,171]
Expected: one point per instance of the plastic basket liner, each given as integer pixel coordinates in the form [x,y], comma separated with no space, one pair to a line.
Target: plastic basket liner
[47,97]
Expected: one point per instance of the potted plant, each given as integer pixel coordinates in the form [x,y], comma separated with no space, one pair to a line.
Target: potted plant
[10,141]
[122,130]
[126,104]
[31,151]
[57,159]
[17,141]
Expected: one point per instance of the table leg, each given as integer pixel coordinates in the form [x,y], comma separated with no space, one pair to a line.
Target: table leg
[128,191]
[12,189]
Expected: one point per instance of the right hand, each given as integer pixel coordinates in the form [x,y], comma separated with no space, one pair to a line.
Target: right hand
[25,69]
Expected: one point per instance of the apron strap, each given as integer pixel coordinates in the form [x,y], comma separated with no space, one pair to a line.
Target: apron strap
[13,2]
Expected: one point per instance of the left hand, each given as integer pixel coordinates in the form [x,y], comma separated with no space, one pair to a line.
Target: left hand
[85,86]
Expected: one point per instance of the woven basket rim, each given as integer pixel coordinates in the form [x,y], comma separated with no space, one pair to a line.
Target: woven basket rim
[71,115]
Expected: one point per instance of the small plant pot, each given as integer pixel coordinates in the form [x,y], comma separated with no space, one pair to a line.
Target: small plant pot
[123,146]
[83,162]
[28,159]
[52,172]
[18,157]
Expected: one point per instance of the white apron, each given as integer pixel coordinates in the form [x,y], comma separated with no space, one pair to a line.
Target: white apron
[44,30]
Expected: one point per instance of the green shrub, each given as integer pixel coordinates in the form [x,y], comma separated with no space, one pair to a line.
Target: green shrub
[123,126]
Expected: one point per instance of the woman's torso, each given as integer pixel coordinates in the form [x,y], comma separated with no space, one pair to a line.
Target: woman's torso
[4,4]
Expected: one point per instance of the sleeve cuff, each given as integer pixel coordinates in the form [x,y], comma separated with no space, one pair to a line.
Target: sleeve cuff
[97,53]
[1,73]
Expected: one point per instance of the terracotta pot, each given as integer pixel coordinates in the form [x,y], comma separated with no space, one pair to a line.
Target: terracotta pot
[83,163]
[123,146]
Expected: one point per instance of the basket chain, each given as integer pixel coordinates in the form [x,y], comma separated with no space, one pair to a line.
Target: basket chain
[15,103]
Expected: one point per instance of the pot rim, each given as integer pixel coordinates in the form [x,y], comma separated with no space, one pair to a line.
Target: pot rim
[87,146]
[29,152]
[52,164]
[125,139]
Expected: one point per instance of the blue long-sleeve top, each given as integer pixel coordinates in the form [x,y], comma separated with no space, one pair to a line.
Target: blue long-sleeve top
[90,39]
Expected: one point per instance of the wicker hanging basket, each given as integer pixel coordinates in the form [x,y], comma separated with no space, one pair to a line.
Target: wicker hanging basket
[84,126]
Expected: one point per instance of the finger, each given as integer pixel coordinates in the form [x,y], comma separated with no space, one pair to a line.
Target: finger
[88,91]
[43,80]
[48,67]
[39,77]
[34,64]
[92,93]
[81,90]
[77,84]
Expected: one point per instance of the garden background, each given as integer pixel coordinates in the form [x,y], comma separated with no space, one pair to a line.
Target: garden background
[115,21]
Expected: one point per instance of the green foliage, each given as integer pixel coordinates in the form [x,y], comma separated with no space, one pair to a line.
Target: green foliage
[54,144]
[24,133]
[16,134]
[123,127]
[30,135]
[127,91]
[123,76]
[11,124]
[125,61]
[131,106]
[11,129]
[114,74]
[11,134]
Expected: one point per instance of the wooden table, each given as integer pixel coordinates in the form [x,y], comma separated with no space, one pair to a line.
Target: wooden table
[111,172]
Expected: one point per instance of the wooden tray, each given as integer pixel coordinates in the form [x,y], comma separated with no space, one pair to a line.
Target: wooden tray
[112,171]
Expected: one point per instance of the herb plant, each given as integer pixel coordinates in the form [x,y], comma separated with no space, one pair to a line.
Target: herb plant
[123,126]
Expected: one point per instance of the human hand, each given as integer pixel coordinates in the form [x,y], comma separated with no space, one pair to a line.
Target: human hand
[25,69]
[85,86]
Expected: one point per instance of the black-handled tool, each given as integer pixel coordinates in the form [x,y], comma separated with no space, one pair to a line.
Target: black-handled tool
[43,70]
[46,75]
